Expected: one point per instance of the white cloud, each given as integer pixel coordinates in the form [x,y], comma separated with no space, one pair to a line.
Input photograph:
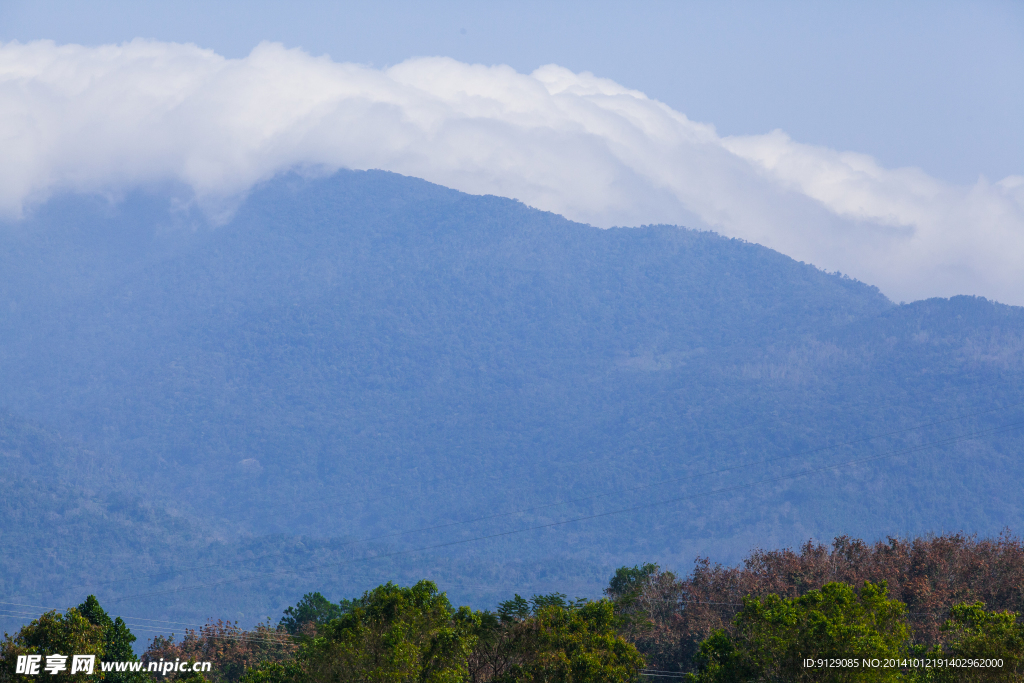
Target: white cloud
[104,119]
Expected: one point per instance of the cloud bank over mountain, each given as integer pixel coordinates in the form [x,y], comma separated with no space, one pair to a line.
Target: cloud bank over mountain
[110,118]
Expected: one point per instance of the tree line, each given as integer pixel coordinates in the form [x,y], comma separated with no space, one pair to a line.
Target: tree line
[942,608]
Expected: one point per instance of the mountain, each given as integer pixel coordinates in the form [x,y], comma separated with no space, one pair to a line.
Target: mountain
[355,356]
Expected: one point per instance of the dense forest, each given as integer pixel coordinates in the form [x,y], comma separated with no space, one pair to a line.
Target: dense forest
[925,609]
[366,378]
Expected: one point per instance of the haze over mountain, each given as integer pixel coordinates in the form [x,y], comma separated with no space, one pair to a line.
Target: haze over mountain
[114,118]
[361,354]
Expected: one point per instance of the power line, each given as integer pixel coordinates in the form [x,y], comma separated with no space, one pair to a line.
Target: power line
[254,636]
[570,501]
[242,637]
[303,504]
[663,674]
[804,473]
[195,626]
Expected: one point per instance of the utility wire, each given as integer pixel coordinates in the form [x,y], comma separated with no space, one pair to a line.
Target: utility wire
[140,627]
[549,525]
[253,636]
[188,624]
[663,674]
[296,505]
[559,503]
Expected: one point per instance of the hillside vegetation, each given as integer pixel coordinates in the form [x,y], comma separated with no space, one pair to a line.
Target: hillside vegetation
[925,609]
[201,418]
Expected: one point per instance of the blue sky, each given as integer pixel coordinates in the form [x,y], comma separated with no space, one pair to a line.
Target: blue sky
[882,140]
[937,85]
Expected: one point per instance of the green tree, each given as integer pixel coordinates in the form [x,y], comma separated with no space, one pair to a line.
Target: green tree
[117,641]
[773,636]
[52,633]
[553,640]
[976,634]
[313,609]
[627,584]
[394,635]
[291,671]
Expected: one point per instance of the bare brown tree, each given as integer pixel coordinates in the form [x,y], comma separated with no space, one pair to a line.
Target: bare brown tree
[230,649]
[669,617]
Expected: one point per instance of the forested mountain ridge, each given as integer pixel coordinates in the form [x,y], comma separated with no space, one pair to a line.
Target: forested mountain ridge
[365,354]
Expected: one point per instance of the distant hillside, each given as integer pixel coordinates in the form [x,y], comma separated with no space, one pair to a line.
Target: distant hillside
[354,356]
[67,513]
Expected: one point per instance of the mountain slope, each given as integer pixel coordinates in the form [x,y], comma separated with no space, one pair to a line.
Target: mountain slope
[363,354]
